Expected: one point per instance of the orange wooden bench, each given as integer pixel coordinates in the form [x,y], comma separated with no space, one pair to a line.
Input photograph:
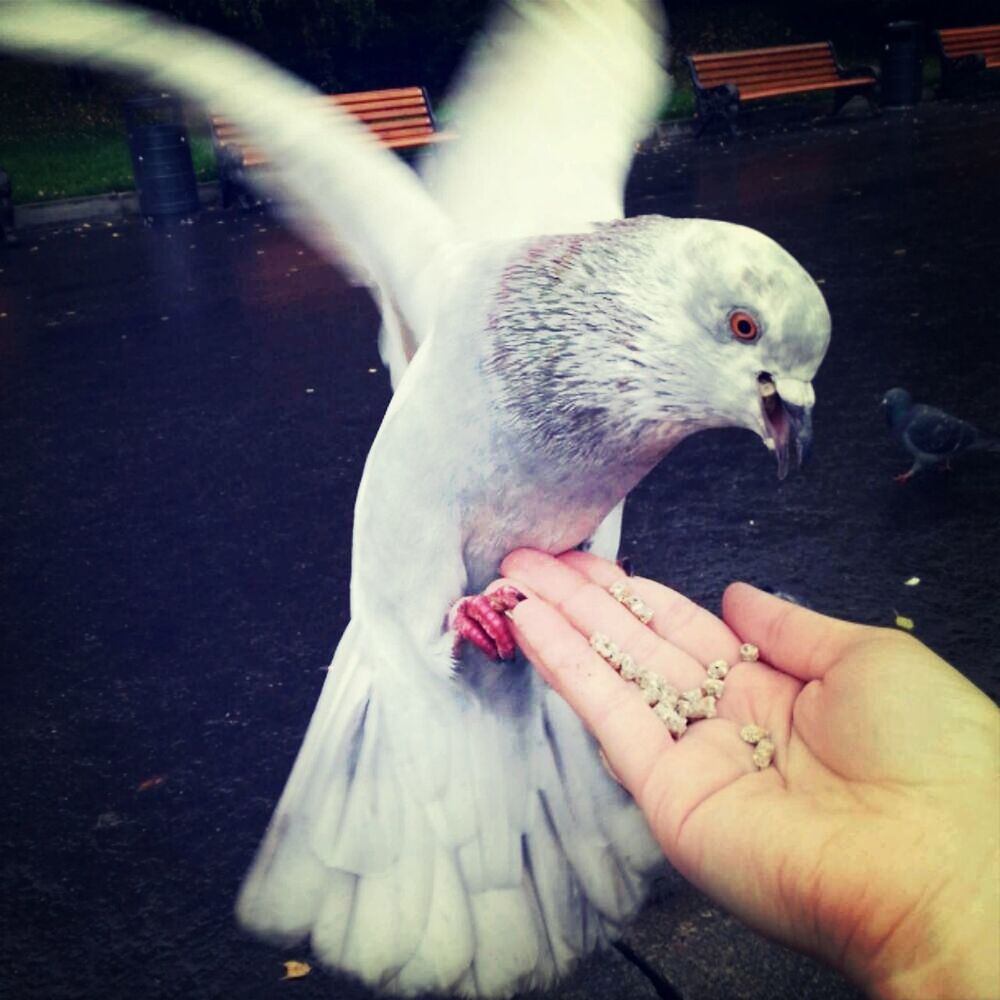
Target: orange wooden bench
[722,80]
[401,118]
[966,53]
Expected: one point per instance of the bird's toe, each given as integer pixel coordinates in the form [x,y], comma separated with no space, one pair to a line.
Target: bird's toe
[480,620]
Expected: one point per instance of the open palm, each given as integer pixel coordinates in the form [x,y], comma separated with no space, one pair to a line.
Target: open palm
[875,830]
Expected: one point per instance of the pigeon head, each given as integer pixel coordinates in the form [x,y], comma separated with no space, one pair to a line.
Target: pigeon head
[896,403]
[624,340]
[738,330]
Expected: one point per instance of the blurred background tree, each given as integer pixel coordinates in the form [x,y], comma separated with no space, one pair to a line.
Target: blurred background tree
[347,44]
[61,130]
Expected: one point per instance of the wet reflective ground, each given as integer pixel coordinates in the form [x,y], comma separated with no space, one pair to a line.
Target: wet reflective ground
[184,414]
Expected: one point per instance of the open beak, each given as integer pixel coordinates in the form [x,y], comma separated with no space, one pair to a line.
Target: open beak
[786,406]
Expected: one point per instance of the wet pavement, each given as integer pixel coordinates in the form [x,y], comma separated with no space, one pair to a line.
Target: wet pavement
[184,414]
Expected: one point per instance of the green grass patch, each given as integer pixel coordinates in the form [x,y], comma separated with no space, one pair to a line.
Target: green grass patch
[681,101]
[60,138]
[69,164]
[66,164]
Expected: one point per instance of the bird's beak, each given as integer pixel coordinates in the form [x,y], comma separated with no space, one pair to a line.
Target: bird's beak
[786,407]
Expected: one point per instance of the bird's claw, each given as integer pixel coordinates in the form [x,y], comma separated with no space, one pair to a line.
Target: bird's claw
[480,620]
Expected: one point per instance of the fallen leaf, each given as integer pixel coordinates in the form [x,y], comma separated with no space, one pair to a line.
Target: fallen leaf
[157,779]
[912,582]
[296,970]
[903,622]
[108,820]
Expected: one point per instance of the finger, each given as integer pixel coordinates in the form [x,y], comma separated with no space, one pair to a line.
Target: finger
[631,735]
[793,639]
[753,692]
[676,618]
[591,609]
[667,777]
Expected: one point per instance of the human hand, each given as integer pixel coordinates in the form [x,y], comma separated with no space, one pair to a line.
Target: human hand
[872,840]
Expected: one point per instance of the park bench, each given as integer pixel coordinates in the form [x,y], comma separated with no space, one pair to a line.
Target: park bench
[966,53]
[722,80]
[400,118]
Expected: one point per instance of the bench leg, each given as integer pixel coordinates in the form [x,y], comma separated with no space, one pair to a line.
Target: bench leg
[845,94]
[232,178]
[959,76]
[718,103]
[235,191]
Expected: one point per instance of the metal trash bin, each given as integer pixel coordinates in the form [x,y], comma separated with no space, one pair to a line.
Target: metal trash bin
[902,65]
[161,156]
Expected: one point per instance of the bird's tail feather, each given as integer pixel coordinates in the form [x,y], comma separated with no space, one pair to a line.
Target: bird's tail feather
[351,192]
[489,872]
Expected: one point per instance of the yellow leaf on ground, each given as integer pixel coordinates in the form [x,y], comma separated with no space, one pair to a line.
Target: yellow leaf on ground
[903,622]
[296,970]
[912,582]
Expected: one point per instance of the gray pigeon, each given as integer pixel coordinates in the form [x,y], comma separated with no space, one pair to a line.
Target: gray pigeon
[448,825]
[930,435]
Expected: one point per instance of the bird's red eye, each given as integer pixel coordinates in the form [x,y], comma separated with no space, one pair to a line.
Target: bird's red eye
[743,325]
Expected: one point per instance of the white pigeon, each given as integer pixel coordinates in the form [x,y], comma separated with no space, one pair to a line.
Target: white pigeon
[448,825]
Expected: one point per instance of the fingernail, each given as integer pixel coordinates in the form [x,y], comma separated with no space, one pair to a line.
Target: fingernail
[626,565]
[505,597]
[511,594]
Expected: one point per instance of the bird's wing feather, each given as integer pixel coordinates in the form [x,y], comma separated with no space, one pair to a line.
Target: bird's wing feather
[548,111]
[546,114]
[935,432]
[604,542]
[350,192]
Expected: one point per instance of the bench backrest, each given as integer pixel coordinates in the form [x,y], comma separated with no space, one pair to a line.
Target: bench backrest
[791,65]
[958,42]
[403,112]
[399,117]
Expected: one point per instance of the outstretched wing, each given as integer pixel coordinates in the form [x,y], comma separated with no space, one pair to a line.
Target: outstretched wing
[352,193]
[548,111]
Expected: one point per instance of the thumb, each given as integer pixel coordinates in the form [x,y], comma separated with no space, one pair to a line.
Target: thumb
[793,639]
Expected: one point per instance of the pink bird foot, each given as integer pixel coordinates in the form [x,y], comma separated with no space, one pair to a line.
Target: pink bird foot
[480,620]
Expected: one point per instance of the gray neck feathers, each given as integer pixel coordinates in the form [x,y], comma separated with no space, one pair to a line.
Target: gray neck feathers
[575,363]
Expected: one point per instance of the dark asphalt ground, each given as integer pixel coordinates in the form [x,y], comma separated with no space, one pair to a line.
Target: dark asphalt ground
[184,414]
